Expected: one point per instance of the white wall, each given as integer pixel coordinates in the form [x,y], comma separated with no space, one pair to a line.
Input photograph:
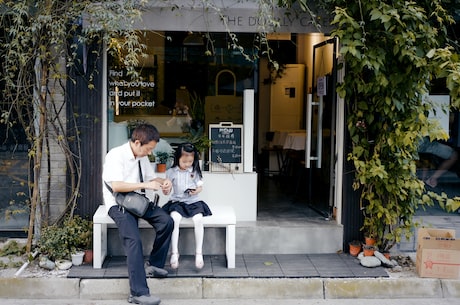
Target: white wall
[236,190]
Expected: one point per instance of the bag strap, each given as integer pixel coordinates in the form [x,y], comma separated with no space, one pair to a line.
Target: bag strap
[140,175]
[108,187]
[157,197]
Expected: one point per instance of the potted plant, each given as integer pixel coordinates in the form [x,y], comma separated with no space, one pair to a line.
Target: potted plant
[371,227]
[59,242]
[198,138]
[162,158]
[86,239]
[79,231]
[201,141]
[194,130]
[53,243]
[132,124]
[77,258]
[369,239]
[151,157]
[355,247]
[369,250]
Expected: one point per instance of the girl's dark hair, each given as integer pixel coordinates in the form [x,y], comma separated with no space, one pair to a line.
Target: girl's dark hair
[145,133]
[188,148]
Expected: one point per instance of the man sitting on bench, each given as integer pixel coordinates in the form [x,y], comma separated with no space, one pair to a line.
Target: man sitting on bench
[125,168]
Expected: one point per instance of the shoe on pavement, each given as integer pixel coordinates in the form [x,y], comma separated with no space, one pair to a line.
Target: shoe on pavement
[155,271]
[146,299]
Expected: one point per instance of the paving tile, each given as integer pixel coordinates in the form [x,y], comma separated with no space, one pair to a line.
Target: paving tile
[353,263]
[297,266]
[301,273]
[219,267]
[292,263]
[115,261]
[369,272]
[325,259]
[266,275]
[220,263]
[116,273]
[247,265]
[291,257]
[263,267]
[231,273]
[86,271]
[268,272]
[187,267]
[336,274]
[259,257]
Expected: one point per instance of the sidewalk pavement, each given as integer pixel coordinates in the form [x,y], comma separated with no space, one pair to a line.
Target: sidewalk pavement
[75,290]
[243,302]
[299,278]
[302,279]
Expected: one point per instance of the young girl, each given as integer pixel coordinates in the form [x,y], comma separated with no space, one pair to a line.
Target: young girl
[186,178]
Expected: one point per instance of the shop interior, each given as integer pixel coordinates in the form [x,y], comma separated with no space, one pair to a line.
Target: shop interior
[199,80]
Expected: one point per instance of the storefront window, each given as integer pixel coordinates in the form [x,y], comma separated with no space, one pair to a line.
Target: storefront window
[176,77]
[14,175]
[439,165]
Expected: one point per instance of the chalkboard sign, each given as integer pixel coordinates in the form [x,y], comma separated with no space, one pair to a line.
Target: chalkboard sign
[226,152]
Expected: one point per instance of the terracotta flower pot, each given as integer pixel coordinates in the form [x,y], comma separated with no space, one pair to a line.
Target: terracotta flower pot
[368,250]
[161,168]
[370,241]
[355,248]
[88,258]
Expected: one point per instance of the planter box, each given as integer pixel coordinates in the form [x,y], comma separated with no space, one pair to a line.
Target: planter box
[438,253]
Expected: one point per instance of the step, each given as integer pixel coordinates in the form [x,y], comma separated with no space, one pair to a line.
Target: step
[236,289]
[270,237]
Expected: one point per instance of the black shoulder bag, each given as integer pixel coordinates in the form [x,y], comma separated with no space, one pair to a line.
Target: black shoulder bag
[134,202]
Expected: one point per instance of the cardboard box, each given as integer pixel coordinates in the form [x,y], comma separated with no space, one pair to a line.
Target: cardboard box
[438,253]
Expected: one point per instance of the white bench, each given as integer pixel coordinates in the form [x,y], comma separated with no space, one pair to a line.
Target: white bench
[222,216]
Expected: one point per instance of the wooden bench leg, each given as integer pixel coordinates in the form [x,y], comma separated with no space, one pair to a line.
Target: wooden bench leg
[230,246]
[99,244]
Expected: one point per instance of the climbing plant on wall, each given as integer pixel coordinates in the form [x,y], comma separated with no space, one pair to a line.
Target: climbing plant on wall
[41,42]
[393,50]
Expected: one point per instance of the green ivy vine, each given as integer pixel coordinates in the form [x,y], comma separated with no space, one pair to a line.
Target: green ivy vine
[392,51]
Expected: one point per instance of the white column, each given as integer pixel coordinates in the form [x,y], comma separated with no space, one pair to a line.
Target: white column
[248,130]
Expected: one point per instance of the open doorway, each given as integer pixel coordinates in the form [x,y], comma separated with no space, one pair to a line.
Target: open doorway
[289,187]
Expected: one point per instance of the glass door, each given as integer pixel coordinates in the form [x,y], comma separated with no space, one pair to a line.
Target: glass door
[321,126]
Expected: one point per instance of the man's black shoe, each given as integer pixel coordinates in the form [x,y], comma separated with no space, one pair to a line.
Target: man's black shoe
[154,271]
[144,300]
